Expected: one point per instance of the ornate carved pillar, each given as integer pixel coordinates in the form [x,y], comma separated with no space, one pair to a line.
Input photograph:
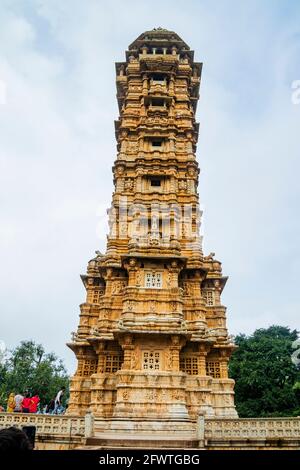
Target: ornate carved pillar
[224,364]
[176,345]
[132,269]
[138,185]
[203,350]
[174,272]
[101,358]
[145,85]
[202,364]
[218,290]
[171,86]
[126,343]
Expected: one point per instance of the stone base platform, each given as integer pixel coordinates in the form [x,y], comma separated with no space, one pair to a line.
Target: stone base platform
[142,433]
[123,441]
[162,428]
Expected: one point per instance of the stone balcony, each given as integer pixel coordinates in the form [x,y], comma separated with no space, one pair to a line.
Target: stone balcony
[160,89]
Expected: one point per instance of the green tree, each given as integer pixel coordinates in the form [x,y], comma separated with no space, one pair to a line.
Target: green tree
[29,368]
[266,378]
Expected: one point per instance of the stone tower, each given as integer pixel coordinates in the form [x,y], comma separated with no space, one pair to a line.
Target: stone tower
[152,344]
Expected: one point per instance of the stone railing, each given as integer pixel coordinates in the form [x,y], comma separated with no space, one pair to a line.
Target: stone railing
[52,431]
[252,428]
[265,432]
[67,432]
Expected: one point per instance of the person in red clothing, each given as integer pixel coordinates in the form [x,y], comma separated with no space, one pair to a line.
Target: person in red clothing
[26,403]
[33,407]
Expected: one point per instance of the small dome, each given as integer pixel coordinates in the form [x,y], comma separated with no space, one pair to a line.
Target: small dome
[159,37]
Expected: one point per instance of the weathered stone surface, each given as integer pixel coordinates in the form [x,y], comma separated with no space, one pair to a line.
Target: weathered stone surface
[69,432]
[152,342]
[53,432]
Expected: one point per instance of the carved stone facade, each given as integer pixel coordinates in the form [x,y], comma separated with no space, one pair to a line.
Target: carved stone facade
[152,342]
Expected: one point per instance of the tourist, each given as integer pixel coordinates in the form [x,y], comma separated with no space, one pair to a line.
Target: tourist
[14,439]
[26,403]
[18,400]
[11,403]
[33,407]
[2,410]
[58,401]
[50,407]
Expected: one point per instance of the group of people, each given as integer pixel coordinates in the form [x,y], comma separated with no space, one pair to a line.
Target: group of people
[31,404]
[22,404]
[55,406]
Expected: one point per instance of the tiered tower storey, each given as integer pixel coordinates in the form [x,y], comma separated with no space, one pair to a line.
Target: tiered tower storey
[152,343]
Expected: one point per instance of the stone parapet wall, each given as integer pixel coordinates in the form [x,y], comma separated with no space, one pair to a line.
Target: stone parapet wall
[247,433]
[68,432]
[53,432]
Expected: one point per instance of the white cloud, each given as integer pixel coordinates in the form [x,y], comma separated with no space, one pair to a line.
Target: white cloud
[57,149]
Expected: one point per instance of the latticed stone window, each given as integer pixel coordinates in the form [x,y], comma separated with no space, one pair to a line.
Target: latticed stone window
[87,367]
[209,297]
[189,364]
[213,369]
[96,295]
[153,280]
[113,362]
[151,360]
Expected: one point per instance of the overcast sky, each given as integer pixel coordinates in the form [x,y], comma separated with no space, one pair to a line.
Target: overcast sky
[57,147]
